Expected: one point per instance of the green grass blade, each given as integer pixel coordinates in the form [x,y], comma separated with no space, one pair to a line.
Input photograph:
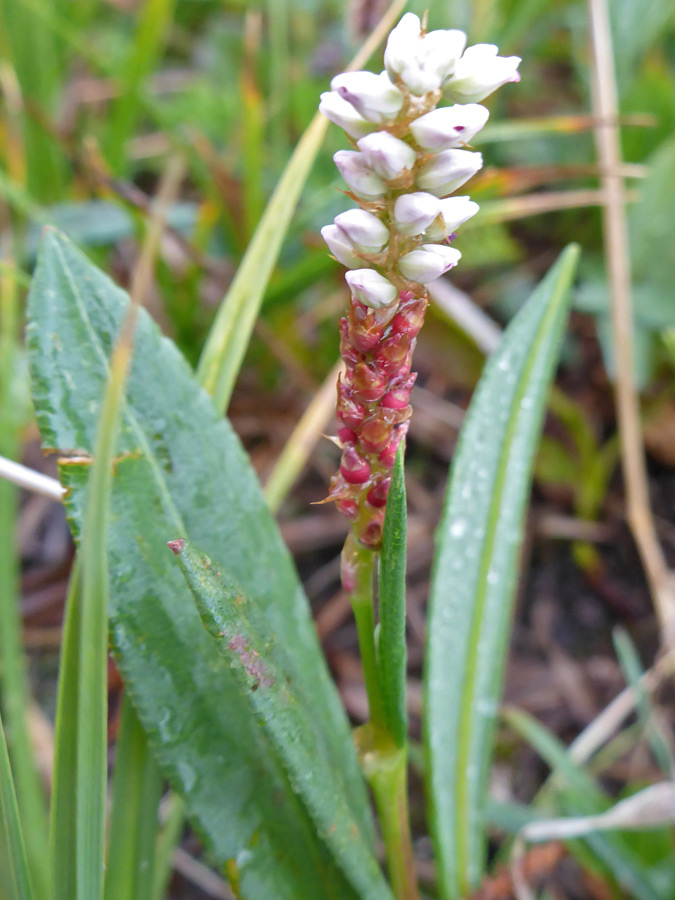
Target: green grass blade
[579,794]
[136,789]
[475,572]
[63,823]
[13,863]
[167,841]
[391,646]
[15,691]
[154,21]
[260,667]
[228,339]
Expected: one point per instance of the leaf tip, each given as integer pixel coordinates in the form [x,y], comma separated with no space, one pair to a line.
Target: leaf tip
[176,546]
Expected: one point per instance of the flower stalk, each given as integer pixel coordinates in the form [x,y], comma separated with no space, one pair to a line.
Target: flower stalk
[408,154]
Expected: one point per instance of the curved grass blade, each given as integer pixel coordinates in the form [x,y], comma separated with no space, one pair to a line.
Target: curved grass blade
[231,331]
[186,699]
[260,668]
[579,794]
[391,645]
[136,789]
[475,572]
[12,849]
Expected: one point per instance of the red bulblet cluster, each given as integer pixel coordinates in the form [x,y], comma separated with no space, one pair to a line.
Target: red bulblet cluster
[374,405]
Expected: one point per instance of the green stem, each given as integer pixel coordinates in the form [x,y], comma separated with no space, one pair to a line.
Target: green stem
[387,773]
[363,562]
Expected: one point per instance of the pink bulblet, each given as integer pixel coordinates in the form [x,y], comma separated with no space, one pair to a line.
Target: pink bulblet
[354,468]
[349,411]
[346,435]
[375,435]
[377,495]
[368,384]
[347,507]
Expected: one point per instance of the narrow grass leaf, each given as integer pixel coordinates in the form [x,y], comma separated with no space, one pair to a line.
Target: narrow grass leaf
[15,413]
[579,794]
[167,841]
[475,570]
[136,789]
[260,668]
[188,702]
[63,810]
[391,646]
[12,849]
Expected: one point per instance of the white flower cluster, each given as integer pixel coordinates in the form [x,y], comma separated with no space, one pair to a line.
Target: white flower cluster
[409,155]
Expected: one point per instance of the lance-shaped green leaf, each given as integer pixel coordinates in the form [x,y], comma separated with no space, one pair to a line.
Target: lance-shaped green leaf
[475,571]
[180,469]
[261,670]
[391,646]
[13,863]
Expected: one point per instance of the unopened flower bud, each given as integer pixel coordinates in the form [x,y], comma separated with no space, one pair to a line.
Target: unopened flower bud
[414,213]
[448,170]
[377,495]
[342,113]
[410,316]
[454,211]
[341,247]
[375,434]
[371,288]
[347,351]
[393,355]
[480,72]
[365,231]
[449,126]
[373,96]
[360,178]
[398,395]
[365,328]
[346,435]
[368,384]
[422,62]
[349,410]
[429,262]
[354,468]
[386,155]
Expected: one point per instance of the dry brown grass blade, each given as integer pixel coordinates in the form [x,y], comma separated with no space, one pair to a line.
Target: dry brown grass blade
[607,138]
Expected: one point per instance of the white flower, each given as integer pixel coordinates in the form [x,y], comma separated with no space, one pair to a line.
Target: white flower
[448,170]
[428,263]
[386,155]
[365,231]
[342,113]
[422,62]
[341,247]
[449,126]
[373,96]
[480,72]
[454,211]
[371,288]
[414,213]
[360,178]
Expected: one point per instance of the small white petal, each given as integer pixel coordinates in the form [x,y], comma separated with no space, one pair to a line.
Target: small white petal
[371,288]
[365,231]
[454,211]
[414,213]
[342,113]
[341,247]
[422,62]
[360,178]
[448,170]
[401,39]
[480,72]
[449,126]
[386,155]
[374,96]
[428,263]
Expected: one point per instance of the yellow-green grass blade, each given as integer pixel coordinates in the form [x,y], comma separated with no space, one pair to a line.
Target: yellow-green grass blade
[475,572]
[13,866]
[132,838]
